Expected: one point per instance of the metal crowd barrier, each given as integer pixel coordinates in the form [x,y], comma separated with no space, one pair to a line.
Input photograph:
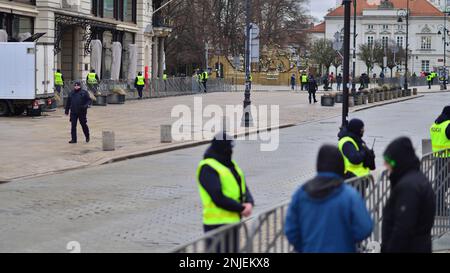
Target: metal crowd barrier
[157,88]
[264,233]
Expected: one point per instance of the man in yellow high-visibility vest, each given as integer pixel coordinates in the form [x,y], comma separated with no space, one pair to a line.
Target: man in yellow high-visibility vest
[440,143]
[92,81]
[139,83]
[223,190]
[304,81]
[59,81]
[358,158]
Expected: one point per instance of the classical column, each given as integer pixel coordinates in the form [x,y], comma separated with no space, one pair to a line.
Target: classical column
[161,57]
[155,57]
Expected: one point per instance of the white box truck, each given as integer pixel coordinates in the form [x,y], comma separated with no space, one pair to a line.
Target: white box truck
[26,77]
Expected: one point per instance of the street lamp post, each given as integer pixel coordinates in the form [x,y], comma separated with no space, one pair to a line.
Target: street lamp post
[346,63]
[247,115]
[405,13]
[444,31]
[354,49]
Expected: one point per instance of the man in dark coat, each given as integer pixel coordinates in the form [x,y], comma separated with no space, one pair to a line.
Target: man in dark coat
[312,88]
[221,150]
[408,216]
[356,155]
[77,103]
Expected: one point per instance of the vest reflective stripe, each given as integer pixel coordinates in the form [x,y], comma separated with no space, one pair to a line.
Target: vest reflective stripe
[140,80]
[439,140]
[433,75]
[92,79]
[212,214]
[358,170]
[164,76]
[58,79]
[205,76]
[429,78]
[304,79]
[251,78]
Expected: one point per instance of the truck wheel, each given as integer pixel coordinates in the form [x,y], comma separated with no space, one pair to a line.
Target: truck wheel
[4,109]
[18,110]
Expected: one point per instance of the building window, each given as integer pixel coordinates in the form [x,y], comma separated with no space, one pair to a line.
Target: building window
[425,42]
[370,41]
[426,66]
[385,27]
[121,10]
[30,2]
[370,27]
[14,25]
[385,41]
[400,41]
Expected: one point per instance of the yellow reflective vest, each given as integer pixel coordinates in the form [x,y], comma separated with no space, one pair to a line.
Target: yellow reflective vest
[304,78]
[212,214]
[164,76]
[92,79]
[439,140]
[358,170]
[58,79]
[140,80]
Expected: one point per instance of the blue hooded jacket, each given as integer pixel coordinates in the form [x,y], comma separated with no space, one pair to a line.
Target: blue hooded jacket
[326,215]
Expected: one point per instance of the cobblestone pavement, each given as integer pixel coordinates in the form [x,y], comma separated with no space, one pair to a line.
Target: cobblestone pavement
[151,204]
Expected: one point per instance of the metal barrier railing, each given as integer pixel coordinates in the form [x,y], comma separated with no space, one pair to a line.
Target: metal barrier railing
[264,233]
[157,88]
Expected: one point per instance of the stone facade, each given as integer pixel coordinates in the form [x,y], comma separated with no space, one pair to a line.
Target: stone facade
[71,24]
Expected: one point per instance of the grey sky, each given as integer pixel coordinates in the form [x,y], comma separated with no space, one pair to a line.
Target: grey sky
[319,7]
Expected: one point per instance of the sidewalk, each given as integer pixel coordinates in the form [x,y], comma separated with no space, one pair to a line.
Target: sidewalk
[38,146]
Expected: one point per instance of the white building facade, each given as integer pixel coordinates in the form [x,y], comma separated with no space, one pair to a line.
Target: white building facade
[379,22]
[128,39]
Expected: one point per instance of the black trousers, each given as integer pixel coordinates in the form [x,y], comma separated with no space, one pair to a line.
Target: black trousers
[429,84]
[313,94]
[224,243]
[139,89]
[74,118]
[442,186]
[204,86]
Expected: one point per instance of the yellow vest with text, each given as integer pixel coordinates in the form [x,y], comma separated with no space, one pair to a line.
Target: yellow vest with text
[358,170]
[58,79]
[212,214]
[304,79]
[140,80]
[439,140]
[92,79]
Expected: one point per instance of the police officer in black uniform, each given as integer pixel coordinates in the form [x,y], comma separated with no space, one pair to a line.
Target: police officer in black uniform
[77,103]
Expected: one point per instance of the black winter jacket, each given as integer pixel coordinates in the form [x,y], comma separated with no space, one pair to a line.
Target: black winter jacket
[409,215]
[78,102]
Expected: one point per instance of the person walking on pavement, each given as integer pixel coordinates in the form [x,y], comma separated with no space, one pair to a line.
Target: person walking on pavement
[325,214]
[139,83]
[312,88]
[339,81]
[429,80]
[304,81]
[359,159]
[408,215]
[205,79]
[224,192]
[92,80]
[293,82]
[59,81]
[77,104]
[440,143]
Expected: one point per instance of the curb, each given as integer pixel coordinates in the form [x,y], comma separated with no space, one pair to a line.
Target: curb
[387,102]
[183,146]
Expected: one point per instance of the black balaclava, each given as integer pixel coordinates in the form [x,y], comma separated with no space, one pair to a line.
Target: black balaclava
[221,148]
[355,126]
[400,155]
[330,160]
[445,115]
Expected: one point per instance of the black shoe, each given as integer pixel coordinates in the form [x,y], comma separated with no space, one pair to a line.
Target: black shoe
[315,101]
[72,142]
[87,139]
